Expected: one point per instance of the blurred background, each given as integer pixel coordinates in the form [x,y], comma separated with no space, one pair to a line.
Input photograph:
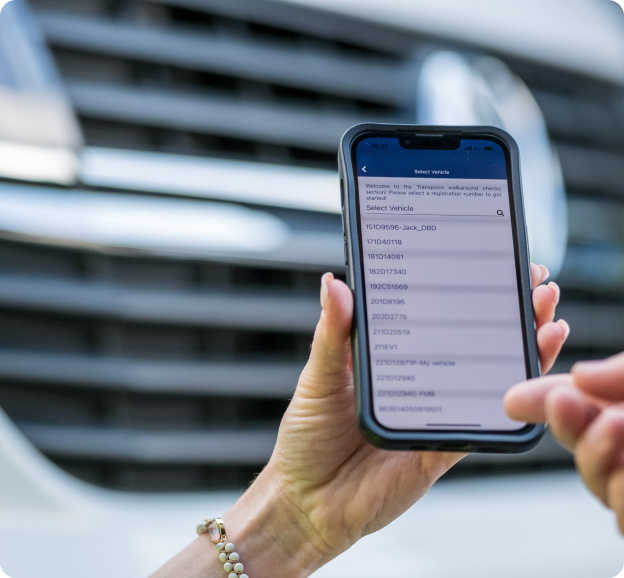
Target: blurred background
[169,200]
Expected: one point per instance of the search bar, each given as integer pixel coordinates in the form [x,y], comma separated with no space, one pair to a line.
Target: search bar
[499,213]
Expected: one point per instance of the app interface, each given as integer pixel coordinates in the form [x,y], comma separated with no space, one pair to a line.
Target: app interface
[443,310]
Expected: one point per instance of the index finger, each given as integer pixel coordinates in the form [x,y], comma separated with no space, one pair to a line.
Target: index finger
[527,401]
[603,378]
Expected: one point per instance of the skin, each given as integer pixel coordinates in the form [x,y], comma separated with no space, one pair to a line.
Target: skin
[324,487]
[585,410]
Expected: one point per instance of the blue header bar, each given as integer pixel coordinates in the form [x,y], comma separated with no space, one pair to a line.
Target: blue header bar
[474,159]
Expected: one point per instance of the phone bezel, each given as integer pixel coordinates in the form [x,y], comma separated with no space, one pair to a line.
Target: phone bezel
[505,441]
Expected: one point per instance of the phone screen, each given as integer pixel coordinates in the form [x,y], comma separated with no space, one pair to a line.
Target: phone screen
[444,324]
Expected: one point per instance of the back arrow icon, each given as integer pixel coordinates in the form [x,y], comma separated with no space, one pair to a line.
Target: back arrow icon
[364,169]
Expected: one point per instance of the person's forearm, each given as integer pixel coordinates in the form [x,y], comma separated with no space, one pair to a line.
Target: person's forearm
[267,537]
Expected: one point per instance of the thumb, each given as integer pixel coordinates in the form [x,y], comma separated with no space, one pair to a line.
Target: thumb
[331,349]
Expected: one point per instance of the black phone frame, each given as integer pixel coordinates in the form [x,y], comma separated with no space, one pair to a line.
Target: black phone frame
[491,441]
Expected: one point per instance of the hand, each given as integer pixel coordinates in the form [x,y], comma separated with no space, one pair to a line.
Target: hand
[324,486]
[586,413]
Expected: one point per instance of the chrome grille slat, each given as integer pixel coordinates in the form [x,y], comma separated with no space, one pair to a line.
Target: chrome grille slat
[299,127]
[299,19]
[251,310]
[362,79]
[593,170]
[591,222]
[262,379]
[571,117]
[223,447]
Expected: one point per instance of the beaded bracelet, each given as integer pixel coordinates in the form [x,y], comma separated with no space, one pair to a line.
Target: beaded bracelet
[227,555]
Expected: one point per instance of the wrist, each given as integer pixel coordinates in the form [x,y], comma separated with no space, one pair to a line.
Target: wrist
[267,534]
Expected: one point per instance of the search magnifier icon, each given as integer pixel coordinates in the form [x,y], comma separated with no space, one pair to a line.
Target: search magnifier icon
[500,213]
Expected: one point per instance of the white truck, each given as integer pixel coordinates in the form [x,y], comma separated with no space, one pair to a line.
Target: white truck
[168,200]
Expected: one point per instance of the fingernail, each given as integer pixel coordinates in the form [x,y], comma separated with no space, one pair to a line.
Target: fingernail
[566,328]
[557,291]
[325,281]
[545,273]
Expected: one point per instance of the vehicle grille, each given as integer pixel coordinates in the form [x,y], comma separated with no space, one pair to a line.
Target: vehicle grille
[157,373]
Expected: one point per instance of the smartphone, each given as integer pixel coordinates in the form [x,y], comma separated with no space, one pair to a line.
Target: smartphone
[437,258]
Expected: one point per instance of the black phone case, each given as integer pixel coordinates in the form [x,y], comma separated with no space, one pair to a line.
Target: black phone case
[486,441]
